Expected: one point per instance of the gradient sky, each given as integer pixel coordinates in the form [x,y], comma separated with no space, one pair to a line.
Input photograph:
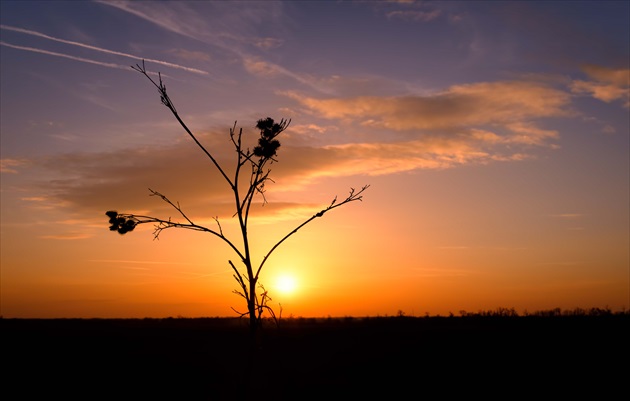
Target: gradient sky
[494,135]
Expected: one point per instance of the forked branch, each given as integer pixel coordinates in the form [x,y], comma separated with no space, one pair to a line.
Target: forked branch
[126,222]
[166,101]
[352,197]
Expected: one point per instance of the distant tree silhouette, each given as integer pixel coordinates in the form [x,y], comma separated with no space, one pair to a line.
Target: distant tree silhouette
[253,162]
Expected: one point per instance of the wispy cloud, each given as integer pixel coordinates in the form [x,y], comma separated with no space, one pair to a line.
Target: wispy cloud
[409,10]
[86,46]
[560,263]
[414,15]
[169,18]
[459,106]
[570,216]
[443,272]
[606,84]
[223,24]
[189,55]
[93,183]
[140,262]
[10,165]
[67,236]
[474,123]
[262,68]
[184,20]
[619,76]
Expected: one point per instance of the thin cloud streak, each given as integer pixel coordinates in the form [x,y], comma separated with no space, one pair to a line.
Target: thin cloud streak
[67,237]
[84,60]
[161,21]
[413,15]
[568,215]
[197,30]
[9,166]
[143,262]
[262,68]
[100,49]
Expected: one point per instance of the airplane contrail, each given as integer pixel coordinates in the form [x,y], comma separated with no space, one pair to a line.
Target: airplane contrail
[99,49]
[85,60]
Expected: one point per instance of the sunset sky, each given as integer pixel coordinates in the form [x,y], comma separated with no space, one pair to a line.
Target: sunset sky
[494,137]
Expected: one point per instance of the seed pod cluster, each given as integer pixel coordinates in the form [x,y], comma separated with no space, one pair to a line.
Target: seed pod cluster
[267,144]
[120,223]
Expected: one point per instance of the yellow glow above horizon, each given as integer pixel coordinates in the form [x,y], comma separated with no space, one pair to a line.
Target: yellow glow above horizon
[286,284]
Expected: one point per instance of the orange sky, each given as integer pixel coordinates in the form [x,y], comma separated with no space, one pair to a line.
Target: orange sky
[497,155]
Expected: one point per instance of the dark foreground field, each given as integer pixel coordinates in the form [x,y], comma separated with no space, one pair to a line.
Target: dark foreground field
[484,358]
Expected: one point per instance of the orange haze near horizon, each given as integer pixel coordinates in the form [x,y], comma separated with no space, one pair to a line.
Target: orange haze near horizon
[494,137]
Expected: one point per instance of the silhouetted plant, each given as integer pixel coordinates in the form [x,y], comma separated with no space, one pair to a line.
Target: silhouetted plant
[257,160]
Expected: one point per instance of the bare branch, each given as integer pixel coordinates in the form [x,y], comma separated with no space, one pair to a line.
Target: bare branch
[353,196]
[126,222]
[166,101]
[239,278]
[216,219]
[177,207]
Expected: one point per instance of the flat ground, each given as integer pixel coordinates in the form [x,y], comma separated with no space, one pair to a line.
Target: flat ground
[458,358]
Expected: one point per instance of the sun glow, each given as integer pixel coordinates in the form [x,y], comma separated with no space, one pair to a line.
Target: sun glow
[286,284]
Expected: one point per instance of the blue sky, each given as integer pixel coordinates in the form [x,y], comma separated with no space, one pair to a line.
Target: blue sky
[494,136]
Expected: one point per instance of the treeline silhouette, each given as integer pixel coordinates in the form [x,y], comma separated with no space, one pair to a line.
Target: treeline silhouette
[499,354]
[511,312]
[498,312]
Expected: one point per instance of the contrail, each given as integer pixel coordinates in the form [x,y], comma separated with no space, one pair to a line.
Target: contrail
[85,60]
[99,49]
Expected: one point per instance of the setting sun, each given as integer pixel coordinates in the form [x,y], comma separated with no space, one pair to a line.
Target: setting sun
[286,284]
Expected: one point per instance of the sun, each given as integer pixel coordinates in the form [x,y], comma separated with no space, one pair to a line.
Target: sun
[286,284]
